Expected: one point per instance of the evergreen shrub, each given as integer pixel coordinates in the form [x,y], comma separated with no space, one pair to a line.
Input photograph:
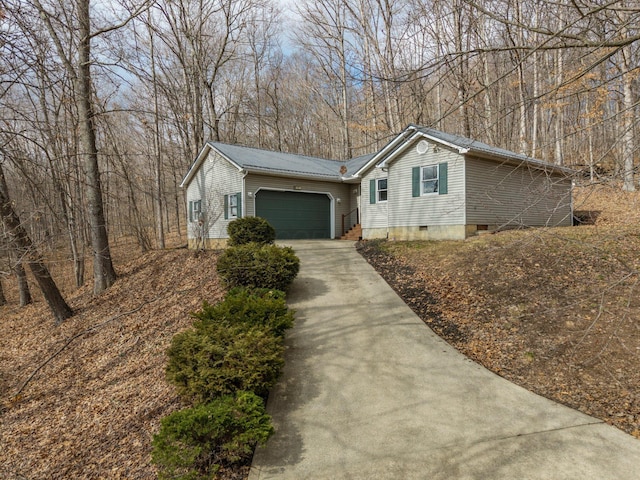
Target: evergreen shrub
[215,359]
[253,307]
[195,442]
[258,266]
[250,230]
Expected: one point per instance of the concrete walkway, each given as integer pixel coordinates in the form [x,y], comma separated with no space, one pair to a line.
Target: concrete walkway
[369,392]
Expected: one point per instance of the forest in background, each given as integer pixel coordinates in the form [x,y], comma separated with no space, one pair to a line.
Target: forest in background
[104,105]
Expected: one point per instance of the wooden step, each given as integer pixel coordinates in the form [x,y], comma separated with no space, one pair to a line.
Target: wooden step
[354,233]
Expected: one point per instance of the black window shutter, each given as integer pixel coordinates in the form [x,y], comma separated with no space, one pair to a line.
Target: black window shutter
[372,191]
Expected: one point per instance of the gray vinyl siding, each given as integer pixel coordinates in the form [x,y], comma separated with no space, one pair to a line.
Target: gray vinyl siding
[215,178]
[506,195]
[374,215]
[433,209]
[254,182]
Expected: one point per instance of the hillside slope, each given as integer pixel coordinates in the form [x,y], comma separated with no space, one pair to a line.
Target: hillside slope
[555,310]
[90,412]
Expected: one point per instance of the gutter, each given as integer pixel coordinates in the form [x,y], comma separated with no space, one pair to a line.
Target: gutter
[291,174]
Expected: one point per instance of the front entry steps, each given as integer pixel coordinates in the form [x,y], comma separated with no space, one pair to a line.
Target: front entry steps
[354,233]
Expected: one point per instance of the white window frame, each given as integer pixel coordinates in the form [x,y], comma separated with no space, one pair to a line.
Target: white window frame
[196,210]
[233,206]
[380,190]
[423,182]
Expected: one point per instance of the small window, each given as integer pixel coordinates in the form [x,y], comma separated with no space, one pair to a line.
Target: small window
[382,189]
[233,206]
[196,210]
[429,179]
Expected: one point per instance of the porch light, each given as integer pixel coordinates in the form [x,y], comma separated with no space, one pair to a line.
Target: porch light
[338,201]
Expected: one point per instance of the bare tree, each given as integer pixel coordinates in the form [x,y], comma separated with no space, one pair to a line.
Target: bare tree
[28,253]
[79,70]
[325,35]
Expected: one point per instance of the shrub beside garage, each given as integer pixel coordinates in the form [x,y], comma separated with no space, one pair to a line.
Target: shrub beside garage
[256,265]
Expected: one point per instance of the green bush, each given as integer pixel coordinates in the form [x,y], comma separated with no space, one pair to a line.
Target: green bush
[258,266]
[262,307]
[195,442]
[250,230]
[216,359]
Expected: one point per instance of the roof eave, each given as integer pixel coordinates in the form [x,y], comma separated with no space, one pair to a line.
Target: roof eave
[408,141]
[197,163]
[392,155]
[453,146]
[387,149]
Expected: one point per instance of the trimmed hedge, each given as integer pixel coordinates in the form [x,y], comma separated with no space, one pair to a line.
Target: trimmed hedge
[258,266]
[250,230]
[195,442]
[215,359]
[229,359]
[253,307]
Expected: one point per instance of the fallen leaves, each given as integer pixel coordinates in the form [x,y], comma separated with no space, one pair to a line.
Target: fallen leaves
[554,310]
[91,410]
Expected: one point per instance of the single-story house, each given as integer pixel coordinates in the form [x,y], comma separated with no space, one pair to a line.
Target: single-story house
[424,184]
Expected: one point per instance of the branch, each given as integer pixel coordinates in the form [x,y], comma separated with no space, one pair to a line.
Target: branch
[84,332]
[142,8]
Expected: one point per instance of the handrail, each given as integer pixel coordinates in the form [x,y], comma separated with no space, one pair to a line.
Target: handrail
[345,215]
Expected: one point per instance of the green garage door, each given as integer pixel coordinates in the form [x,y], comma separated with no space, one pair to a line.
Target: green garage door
[295,214]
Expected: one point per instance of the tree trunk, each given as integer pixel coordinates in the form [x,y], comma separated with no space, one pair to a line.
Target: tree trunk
[461,71]
[27,252]
[628,121]
[559,112]
[103,272]
[536,91]
[23,284]
[536,103]
[157,146]
[3,299]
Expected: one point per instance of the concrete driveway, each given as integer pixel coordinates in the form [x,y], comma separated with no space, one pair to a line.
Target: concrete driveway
[370,392]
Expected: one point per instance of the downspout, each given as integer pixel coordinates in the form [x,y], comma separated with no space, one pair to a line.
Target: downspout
[388,203]
[573,184]
[385,169]
[242,190]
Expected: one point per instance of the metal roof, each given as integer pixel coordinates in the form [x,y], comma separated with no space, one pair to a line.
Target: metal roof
[475,147]
[268,162]
[253,159]
[463,145]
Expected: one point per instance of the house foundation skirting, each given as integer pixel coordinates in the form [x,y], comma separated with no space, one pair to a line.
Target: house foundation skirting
[207,243]
[426,232]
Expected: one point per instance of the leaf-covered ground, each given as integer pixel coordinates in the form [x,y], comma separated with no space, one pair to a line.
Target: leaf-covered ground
[91,411]
[554,310]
